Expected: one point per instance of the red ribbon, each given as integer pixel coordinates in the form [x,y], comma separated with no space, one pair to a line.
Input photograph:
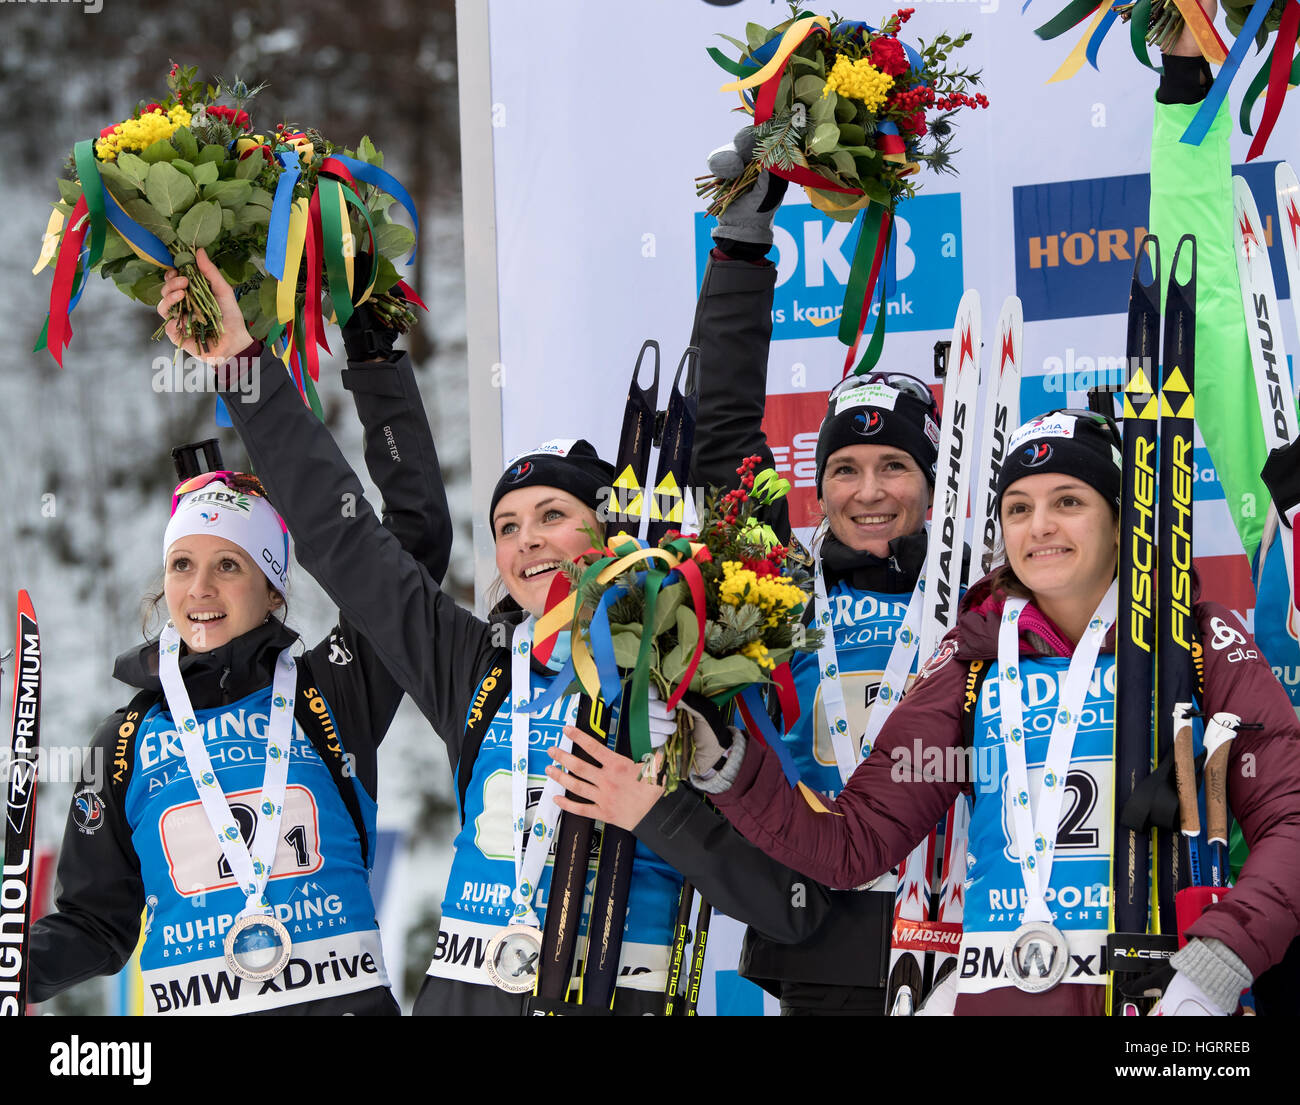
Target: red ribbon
[783,677]
[409,292]
[1279,72]
[559,589]
[313,323]
[882,246]
[59,333]
[695,582]
[891,143]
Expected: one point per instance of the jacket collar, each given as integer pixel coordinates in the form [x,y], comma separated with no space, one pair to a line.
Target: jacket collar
[214,678]
[893,574]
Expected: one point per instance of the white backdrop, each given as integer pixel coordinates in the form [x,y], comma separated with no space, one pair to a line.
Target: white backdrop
[597,118]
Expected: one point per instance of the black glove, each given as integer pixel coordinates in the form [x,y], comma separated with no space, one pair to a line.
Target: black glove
[365,336]
[1281,474]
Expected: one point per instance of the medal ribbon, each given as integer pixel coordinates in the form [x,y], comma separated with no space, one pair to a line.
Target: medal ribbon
[252,869]
[530,857]
[892,683]
[1035,833]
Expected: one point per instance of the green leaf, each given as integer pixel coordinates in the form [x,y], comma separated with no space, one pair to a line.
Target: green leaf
[736,43]
[229,193]
[70,191]
[210,154]
[814,64]
[366,152]
[134,270]
[386,275]
[666,604]
[845,110]
[184,257]
[822,109]
[148,289]
[237,271]
[825,138]
[730,671]
[808,88]
[852,136]
[183,166]
[266,294]
[250,167]
[844,164]
[143,213]
[260,197]
[248,217]
[170,192]
[394,240]
[115,248]
[64,207]
[162,150]
[688,633]
[877,190]
[227,219]
[118,182]
[627,644]
[200,225]
[756,35]
[134,167]
[183,140]
[204,174]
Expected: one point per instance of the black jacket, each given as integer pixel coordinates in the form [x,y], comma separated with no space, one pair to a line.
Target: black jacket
[100,894]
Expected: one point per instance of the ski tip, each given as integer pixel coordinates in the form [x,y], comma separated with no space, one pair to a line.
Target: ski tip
[25,607]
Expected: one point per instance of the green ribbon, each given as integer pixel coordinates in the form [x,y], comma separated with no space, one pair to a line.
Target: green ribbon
[83,154]
[1258,85]
[640,729]
[877,344]
[1139,23]
[735,68]
[1066,18]
[336,273]
[855,292]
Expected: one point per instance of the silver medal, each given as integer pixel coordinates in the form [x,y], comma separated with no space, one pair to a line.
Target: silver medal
[512,958]
[1037,957]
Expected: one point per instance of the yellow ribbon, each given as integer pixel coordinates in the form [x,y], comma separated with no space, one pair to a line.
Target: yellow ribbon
[1194,16]
[789,41]
[286,294]
[349,248]
[1074,62]
[50,243]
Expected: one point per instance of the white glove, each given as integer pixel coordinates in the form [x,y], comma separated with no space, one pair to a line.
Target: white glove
[663,719]
[1183,998]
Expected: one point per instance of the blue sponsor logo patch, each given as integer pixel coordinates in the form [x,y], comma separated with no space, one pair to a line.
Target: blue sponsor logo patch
[813,253]
[1075,241]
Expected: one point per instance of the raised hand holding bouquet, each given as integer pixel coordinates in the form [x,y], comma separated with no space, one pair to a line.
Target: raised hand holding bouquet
[850,112]
[282,215]
[717,615]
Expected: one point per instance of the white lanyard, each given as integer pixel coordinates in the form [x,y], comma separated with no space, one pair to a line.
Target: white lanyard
[530,858]
[1035,832]
[892,683]
[251,867]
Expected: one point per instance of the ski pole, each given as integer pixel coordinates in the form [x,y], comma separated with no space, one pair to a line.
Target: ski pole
[1218,745]
[1185,776]
[681,933]
[698,948]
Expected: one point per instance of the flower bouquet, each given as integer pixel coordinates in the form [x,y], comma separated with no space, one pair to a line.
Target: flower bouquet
[1161,23]
[718,614]
[279,213]
[850,112]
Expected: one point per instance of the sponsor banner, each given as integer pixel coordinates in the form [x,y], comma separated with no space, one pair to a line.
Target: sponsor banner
[927,936]
[813,252]
[342,964]
[461,951]
[1075,240]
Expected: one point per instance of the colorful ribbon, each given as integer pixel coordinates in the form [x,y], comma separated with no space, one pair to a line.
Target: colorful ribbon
[759,724]
[1200,124]
[1279,67]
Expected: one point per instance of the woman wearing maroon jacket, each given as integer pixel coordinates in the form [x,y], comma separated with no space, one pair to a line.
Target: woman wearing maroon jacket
[1040,726]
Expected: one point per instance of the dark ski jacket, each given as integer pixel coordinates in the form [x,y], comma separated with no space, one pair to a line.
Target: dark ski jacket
[847,935]
[438,651]
[878,819]
[100,895]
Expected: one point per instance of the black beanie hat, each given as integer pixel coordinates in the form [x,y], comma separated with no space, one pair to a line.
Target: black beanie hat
[878,413]
[1076,443]
[570,464]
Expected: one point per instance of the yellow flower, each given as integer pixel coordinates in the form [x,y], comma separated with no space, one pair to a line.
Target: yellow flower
[859,80]
[757,651]
[141,133]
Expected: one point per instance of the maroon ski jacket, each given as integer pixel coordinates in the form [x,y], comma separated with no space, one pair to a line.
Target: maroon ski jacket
[878,818]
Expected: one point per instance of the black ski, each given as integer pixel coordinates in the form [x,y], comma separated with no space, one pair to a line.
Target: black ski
[20,812]
[1135,630]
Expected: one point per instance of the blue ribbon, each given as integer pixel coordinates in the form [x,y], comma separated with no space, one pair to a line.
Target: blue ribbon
[145,241]
[373,174]
[1094,43]
[277,232]
[221,415]
[602,646]
[758,711]
[559,685]
[1200,124]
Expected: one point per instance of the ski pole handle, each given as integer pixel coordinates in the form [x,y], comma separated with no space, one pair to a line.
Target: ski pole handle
[1218,745]
[1185,770]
